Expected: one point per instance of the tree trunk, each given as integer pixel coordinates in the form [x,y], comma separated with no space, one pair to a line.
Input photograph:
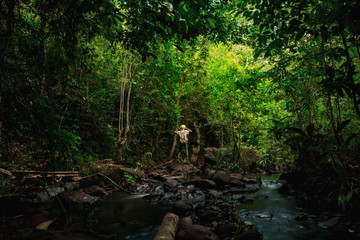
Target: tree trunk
[177,120]
[196,147]
[127,76]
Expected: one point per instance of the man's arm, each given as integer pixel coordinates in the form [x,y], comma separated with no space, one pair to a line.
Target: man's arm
[176,130]
[188,129]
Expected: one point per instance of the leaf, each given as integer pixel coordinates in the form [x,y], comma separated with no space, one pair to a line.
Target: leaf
[347,141]
[297,130]
[295,141]
[342,126]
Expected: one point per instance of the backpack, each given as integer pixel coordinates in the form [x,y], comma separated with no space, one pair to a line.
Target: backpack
[183,137]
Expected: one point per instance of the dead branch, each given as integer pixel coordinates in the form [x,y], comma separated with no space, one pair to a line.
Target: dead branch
[113,183]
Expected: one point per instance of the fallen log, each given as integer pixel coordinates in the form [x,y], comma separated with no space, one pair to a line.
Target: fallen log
[46,172]
[168,227]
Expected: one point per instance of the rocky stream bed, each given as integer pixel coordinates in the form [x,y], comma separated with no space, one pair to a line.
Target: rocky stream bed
[187,202]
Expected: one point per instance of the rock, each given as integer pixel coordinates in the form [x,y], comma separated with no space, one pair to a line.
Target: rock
[249,181]
[221,177]
[250,234]
[236,176]
[202,183]
[168,196]
[78,197]
[36,219]
[235,190]
[301,217]
[226,230]
[196,232]
[143,188]
[208,216]
[180,208]
[263,197]
[237,182]
[95,191]
[159,191]
[71,185]
[214,193]
[329,223]
[259,170]
[185,222]
[48,193]
[171,183]
[285,188]
[238,197]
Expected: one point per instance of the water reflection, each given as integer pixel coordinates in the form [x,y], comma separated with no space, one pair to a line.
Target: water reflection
[129,217]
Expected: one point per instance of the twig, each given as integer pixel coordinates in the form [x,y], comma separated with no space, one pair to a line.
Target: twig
[113,183]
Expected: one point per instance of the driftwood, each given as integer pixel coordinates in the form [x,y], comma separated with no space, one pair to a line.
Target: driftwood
[168,227]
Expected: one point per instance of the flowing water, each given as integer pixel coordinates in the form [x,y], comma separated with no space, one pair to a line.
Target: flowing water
[274,215]
[132,217]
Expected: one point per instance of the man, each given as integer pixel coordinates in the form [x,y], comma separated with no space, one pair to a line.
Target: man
[183,132]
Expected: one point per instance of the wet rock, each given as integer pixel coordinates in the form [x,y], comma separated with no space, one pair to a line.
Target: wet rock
[213,193]
[71,185]
[202,183]
[259,171]
[250,234]
[95,191]
[301,217]
[236,176]
[221,177]
[208,216]
[168,196]
[143,188]
[48,193]
[248,200]
[237,182]
[235,190]
[196,232]
[171,183]
[185,222]
[263,197]
[71,197]
[181,208]
[250,189]
[238,197]
[249,181]
[285,188]
[226,230]
[159,190]
[329,223]
[37,218]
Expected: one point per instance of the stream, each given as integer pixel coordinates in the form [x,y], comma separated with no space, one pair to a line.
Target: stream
[275,215]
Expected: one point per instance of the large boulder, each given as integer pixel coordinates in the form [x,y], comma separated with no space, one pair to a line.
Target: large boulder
[221,177]
[213,155]
[196,232]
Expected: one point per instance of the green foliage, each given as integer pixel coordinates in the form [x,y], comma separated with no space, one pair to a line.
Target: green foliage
[290,90]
